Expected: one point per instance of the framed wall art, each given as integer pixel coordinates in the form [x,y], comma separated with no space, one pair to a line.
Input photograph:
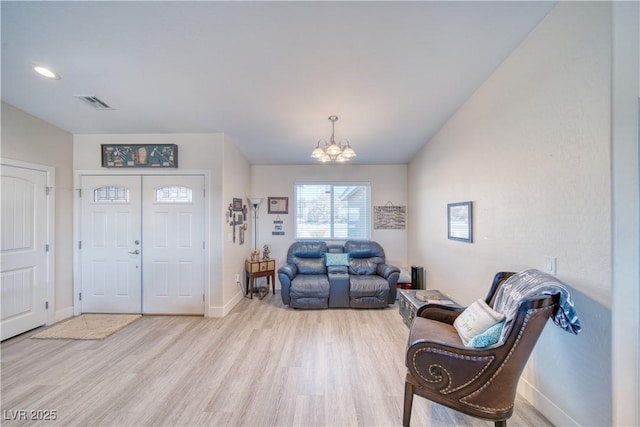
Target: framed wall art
[278,205]
[278,228]
[460,221]
[389,217]
[139,155]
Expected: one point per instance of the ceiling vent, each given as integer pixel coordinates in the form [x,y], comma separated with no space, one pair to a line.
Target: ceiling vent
[95,102]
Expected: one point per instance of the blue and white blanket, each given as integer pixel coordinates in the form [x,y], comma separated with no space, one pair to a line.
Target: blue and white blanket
[532,283]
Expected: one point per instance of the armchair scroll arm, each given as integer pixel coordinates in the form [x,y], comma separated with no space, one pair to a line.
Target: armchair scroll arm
[444,369]
[439,312]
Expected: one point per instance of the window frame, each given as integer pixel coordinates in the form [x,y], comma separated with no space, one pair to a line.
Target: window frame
[368,205]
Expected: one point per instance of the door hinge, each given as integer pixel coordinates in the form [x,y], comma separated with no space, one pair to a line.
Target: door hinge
[202,245]
[79,244]
[79,192]
[46,305]
[47,190]
[79,296]
[46,247]
[204,193]
[202,297]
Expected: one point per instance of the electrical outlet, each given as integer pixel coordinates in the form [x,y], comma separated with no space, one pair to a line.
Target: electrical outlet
[237,277]
[551,266]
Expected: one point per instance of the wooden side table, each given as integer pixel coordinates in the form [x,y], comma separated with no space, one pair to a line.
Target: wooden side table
[263,268]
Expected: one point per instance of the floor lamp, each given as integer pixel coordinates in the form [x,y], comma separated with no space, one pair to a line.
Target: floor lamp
[255,202]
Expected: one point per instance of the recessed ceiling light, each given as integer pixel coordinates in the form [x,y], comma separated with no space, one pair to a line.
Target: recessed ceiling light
[43,71]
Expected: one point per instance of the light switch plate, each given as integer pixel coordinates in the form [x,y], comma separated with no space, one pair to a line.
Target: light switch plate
[551,266]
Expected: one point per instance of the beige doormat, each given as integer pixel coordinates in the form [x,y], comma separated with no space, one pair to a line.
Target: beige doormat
[88,327]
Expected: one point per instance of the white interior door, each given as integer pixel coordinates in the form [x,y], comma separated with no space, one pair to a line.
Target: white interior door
[23,266]
[111,244]
[173,249]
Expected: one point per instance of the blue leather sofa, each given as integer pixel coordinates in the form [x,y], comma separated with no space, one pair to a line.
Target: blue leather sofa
[354,274]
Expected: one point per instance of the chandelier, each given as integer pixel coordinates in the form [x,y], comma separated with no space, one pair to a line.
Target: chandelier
[332,151]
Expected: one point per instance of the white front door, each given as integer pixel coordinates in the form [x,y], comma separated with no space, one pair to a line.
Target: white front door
[142,244]
[173,249]
[110,244]
[23,265]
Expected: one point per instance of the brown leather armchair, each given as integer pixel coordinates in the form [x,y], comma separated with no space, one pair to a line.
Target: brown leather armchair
[477,382]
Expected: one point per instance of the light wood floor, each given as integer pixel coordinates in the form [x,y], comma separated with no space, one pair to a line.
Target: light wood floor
[263,365]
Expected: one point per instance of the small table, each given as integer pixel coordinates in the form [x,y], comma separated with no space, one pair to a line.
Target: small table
[263,268]
[409,304]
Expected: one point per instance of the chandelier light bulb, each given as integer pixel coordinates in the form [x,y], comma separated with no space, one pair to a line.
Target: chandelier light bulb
[332,151]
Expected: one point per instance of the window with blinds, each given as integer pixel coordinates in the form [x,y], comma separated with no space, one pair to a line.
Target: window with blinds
[332,211]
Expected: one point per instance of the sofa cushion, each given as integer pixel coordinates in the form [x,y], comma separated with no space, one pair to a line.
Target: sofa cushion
[476,319]
[361,286]
[310,291]
[364,256]
[487,338]
[310,285]
[360,266]
[311,266]
[368,291]
[308,256]
[307,249]
[336,259]
[364,249]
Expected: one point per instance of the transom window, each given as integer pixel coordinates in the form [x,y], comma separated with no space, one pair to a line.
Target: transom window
[111,194]
[333,211]
[174,194]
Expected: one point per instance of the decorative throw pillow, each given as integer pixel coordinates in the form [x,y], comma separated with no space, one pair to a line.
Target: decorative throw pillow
[487,338]
[475,320]
[336,259]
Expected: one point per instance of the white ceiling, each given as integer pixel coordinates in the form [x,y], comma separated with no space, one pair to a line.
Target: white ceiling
[267,74]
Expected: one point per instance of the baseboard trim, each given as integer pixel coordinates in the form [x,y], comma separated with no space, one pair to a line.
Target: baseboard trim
[545,406]
[221,311]
[62,314]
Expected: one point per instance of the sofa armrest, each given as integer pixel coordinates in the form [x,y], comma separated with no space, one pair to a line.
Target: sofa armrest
[286,274]
[386,270]
[290,270]
[391,274]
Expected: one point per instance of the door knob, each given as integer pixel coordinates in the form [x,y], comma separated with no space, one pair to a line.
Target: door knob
[136,252]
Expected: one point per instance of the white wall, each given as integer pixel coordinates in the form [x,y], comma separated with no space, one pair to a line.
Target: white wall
[237,177]
[626,213]
[531,149]
[196,152]
[29,139]
[388,184]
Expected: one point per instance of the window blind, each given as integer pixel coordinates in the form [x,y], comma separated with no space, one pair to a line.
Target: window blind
[333,211]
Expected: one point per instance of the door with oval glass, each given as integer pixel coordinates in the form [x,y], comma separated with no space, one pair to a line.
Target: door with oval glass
[142,244]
